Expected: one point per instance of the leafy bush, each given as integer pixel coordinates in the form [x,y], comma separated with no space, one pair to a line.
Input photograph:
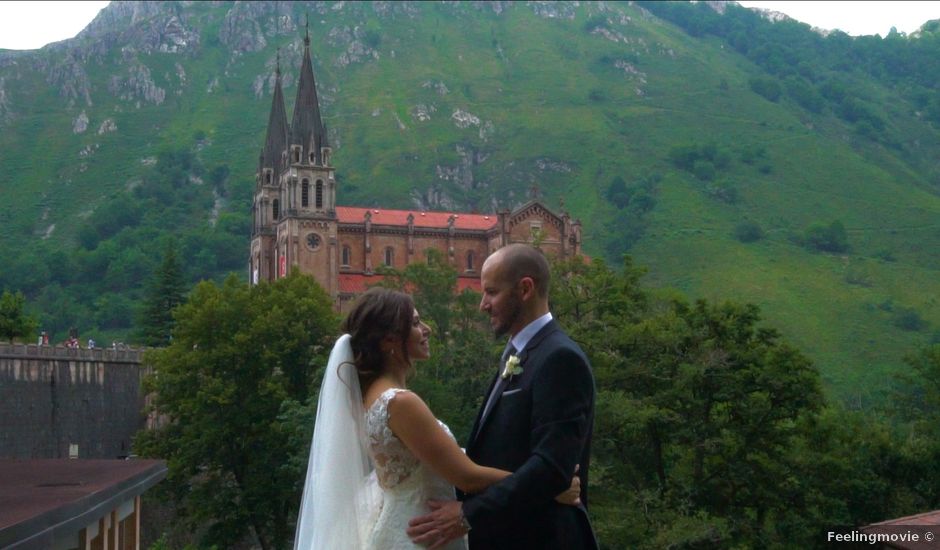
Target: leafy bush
[704,170]
[596,95]
[908,318]
[595,22]
[703,161]
[751,153]
[858,276]
[684,156]
[766,87]
[633,201]
[748,232]
[804,94]
[831,238]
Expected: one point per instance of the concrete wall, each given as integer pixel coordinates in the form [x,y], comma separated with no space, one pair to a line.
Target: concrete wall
[52,397]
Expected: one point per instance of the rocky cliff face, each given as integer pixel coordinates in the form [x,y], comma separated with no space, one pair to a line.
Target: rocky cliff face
[140,54]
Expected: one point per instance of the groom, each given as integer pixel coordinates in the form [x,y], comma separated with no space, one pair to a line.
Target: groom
[536,421]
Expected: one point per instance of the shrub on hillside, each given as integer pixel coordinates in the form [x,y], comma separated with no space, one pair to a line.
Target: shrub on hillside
[908,318]
[595,22]
[752,153]
[827,238]
[703,170]
[748,232]
[766,87]
[858,276]
[703,161]
[597,96]
[684,156]
[804,94]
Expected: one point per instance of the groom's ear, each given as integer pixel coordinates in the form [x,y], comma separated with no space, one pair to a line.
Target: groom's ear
[526,288]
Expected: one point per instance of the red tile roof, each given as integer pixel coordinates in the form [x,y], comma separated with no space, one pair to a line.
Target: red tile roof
[357,282]
[383,216]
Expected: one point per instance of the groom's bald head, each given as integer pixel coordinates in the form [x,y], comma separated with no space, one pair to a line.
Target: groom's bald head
[518,261]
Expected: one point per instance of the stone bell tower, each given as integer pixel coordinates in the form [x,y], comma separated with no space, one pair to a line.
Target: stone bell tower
[295,200]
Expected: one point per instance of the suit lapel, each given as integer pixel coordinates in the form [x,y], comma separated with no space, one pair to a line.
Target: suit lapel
[500,383]
[476,424]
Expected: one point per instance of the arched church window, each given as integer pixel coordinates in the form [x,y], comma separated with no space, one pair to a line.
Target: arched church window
[389,256]
[267,177]
[305,194]
[313,157]
[347,256]
[296,154]
[319,194]
[469,260]
[276,209]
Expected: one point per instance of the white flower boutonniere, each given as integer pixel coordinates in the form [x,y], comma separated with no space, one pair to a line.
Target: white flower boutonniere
[512,367]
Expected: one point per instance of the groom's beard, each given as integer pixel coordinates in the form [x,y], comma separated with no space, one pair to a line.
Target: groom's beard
[512,314]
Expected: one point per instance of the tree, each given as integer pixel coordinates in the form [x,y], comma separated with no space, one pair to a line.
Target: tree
[235,387]
[14,322]
[464,356]
[697,409]
[165,292]
[918,405]
[767,87]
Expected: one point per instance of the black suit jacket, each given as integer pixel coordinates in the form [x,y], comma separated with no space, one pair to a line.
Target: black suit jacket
[539,429]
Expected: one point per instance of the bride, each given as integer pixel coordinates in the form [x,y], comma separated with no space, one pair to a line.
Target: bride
[378,453]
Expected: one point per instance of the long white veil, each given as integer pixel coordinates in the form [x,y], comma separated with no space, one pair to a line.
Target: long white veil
[340,496]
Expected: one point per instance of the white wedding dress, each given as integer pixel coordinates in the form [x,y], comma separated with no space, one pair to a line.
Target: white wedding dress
[406,484]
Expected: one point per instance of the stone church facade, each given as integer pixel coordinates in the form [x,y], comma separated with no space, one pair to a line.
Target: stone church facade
[297,222]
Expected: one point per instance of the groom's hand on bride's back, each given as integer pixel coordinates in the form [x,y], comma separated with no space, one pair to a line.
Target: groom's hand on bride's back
[572,495]
[442,525]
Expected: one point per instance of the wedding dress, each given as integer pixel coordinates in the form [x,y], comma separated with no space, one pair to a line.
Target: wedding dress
[406,483]
[363,485]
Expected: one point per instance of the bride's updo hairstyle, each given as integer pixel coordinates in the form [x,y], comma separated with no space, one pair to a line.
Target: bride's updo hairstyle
[378,313]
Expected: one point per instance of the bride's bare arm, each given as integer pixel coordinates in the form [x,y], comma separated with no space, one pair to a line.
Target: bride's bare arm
[416,426]
[412,421]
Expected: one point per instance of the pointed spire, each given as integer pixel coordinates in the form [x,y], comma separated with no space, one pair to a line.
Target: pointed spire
[276,140]
[306,127]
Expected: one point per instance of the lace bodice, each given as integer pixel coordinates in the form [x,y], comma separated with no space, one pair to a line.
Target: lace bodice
[394,463]
[405,482]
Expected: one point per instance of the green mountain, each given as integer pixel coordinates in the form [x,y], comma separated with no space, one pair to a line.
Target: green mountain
[736,155]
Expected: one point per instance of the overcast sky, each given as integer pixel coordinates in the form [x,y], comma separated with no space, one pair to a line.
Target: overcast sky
[31,25]
[856,18]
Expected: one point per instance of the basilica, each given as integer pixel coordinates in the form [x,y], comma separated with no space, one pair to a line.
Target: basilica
[297,222]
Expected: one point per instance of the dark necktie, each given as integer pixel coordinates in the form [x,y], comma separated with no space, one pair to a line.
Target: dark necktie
[497,387]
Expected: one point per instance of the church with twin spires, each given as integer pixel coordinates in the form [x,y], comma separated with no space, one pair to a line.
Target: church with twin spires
[297,223]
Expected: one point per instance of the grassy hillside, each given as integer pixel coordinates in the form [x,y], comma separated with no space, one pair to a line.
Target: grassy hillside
[568,98]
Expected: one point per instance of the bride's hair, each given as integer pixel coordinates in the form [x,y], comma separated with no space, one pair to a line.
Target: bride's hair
[377,313]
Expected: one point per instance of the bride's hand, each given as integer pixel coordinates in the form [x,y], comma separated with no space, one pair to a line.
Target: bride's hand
[572,495]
